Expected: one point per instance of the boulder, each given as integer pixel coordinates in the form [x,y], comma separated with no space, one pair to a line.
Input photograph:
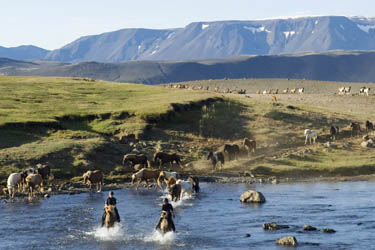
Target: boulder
[289,241]
[328,230]
[247,235]
[46,196]
[252,196]
[273,226]
[365,137]
[309,228]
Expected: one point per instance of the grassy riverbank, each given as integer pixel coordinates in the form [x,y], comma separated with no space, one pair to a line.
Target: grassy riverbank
[78,124]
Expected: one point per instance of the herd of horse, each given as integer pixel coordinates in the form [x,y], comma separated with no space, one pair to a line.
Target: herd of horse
[346,90]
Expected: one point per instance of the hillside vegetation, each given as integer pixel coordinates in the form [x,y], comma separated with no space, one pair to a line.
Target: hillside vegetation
[79,124]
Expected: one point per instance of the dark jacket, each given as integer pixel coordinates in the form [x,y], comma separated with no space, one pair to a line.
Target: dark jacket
[167,207]
[111,201]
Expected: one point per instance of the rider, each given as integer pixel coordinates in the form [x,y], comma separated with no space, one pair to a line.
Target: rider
[167,207]
[110,201]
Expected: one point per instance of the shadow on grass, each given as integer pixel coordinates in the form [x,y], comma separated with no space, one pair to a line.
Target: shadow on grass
[223,120]
[17,137]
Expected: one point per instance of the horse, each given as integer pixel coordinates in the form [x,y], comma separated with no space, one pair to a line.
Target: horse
[165,226]
[356,128]
[135,159]
[175,192]
[232,150]
[167,158]
[93,177]
[33,181]
[310,134]
[165,175]
[44,171]
[145,175]
[14,180]
[170,181]
[186,187]
[215,158]
[195,182]
[369,127]
[334,132]
[250,145]
[110,216]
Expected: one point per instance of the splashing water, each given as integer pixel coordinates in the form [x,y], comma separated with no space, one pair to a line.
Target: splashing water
[109,234]
[181,203]
[160,238]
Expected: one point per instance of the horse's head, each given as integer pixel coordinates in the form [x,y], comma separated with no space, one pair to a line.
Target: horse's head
[109,209]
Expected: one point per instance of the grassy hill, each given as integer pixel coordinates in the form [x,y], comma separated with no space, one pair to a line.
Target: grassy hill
[80,124]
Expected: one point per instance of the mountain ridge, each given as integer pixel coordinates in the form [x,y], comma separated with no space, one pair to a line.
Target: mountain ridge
[345,66]
[218,39]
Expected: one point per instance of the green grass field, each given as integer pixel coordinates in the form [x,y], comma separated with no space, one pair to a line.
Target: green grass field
[75,125]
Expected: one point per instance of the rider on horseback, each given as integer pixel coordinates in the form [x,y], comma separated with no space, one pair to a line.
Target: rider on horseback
[167,207]
[111,201]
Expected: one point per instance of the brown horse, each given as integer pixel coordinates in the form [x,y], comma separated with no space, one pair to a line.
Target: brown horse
[175,192]
[356,128]
[250,145]
[167,158]
[165,226]
[33,181]
[135,159]
[145,175]
[93,177]
[164,175]
[110,216]
[170,181]
[232,150]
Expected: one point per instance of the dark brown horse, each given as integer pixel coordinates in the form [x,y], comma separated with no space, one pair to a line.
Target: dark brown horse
[250,145]
[356,128]
[167,158]
[135,159]
[369,127]
[232,150]
[44,171]
[195,182]
[175,192]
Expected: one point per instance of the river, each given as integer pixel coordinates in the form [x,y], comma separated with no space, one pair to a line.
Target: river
[214,219]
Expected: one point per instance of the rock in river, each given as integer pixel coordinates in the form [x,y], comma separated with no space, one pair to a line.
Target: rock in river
[287,241]
[309,228]
[252,196]
[273,226]
[328,230]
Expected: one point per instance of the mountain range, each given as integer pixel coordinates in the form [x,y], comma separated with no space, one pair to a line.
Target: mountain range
[220,39]
[329,66]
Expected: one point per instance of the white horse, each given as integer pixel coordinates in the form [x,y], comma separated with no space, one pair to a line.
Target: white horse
[310,134]
[14,181]
[186,187]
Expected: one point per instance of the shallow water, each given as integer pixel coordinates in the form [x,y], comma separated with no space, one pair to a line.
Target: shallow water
[214,219]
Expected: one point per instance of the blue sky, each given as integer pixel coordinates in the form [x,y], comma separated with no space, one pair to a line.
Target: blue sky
[51,24]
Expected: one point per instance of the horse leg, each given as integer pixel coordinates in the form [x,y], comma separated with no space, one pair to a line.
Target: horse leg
[147,184]
[139,181]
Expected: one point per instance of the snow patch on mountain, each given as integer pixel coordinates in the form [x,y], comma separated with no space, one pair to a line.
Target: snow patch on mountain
[256,29]
[205,26]
[289,34]
[366,28]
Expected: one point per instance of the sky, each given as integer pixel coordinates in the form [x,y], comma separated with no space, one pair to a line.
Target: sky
[51,24]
